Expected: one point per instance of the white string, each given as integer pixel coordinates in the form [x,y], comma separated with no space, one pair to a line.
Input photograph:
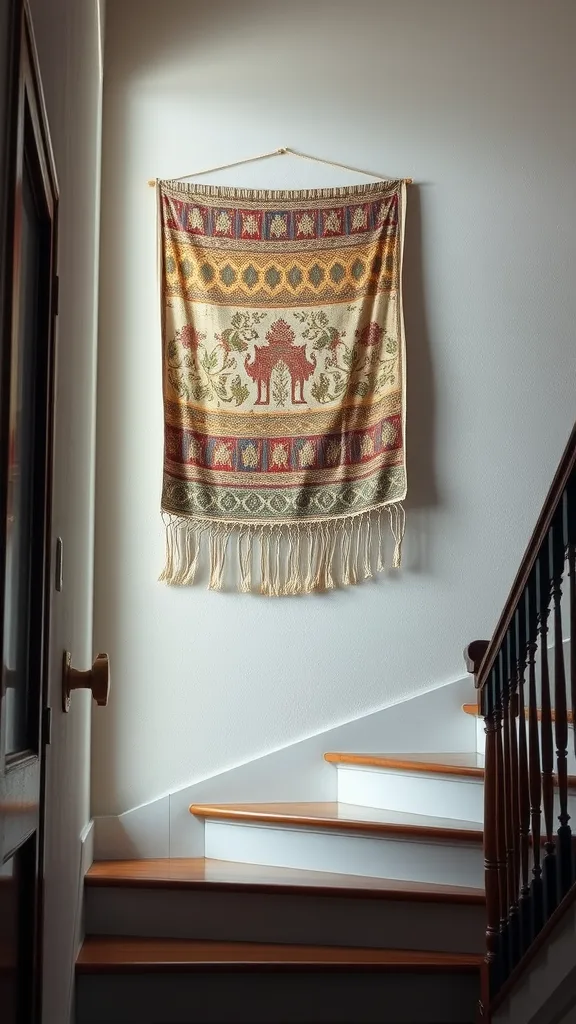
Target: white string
[275,152]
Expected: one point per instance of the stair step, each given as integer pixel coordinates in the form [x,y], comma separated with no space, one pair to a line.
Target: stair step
[450,783]
[333,836]
[473,709]
[470,765]
[126,980]
[205,874]
[110,954]
[216,900]
[343,817]
[463,765]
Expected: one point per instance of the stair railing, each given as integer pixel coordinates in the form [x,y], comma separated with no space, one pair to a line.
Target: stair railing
[527,696]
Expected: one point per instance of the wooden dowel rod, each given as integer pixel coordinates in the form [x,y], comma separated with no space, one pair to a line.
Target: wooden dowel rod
[152,182]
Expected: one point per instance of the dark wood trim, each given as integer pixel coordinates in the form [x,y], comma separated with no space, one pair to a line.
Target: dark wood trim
[32,174]
[322,815]
[198,874]
[474,654]
[125,955]
[8,150]
[565,469]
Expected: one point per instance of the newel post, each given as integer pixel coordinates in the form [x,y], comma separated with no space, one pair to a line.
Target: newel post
[473,656]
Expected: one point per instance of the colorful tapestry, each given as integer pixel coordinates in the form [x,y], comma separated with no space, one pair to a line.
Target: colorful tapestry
[284,383]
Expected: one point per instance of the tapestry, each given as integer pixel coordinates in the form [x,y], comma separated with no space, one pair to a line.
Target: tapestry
[284,383]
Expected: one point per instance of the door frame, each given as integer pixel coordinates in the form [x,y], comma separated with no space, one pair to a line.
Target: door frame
[22,774]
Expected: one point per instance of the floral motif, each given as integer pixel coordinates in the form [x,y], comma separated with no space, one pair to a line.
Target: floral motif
[389,434]
[195,219]
[332,222]
[371,334]
[191,338]
[278,225]
[305,225]
[366,446]
[222,454]
[249,456]
[279,456]
[194,450]
[250,225]
[223,224]
[307,455]
[359,218]
[335,452]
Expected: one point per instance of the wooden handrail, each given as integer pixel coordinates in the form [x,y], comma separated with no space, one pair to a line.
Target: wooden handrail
[527,738]
[566,467]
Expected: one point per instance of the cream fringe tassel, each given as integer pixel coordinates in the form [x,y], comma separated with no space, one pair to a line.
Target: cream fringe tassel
[296,558]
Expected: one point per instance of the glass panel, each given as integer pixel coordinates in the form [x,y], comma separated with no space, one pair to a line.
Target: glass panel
[17,619]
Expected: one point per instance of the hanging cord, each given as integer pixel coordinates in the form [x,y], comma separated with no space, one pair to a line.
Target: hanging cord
[264,156]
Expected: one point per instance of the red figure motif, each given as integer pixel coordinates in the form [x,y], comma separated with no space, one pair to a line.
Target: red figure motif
[280,349]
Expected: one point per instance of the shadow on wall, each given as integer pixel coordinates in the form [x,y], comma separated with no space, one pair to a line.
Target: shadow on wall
[420,391]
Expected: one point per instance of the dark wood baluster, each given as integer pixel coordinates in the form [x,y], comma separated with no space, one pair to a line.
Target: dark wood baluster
[513,847]
[493,726]
[520,627]
[571,529]
[549,875]
[559,543]
[535,778]
[502,810]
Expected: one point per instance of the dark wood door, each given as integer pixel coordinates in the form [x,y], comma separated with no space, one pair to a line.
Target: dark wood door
[28,219]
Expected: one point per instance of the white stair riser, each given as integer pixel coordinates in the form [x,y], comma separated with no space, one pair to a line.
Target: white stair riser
[269,997]
[362,854]
[446,796]
[284,919]
[480,736]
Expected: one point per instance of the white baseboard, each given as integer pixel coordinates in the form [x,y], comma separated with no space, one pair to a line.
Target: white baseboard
[87,847]
[140,833]
[87,837]
[429,722]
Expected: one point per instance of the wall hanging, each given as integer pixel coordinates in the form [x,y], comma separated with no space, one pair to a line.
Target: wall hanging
[284,382]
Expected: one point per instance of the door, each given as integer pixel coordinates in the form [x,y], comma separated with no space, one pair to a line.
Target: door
[28,217]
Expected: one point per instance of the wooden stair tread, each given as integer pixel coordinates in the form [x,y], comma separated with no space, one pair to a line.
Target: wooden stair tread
[471,765]
[204,873]
[462,765]
[345,817]
[114,954]
[473,709]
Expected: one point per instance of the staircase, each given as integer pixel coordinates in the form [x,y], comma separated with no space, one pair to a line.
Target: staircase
[367,909]
[370,908]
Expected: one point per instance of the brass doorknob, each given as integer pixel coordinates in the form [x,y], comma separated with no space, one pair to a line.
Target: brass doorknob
[96,679]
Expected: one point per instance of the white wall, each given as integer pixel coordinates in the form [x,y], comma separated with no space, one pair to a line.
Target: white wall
[68,40]
[475,101]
